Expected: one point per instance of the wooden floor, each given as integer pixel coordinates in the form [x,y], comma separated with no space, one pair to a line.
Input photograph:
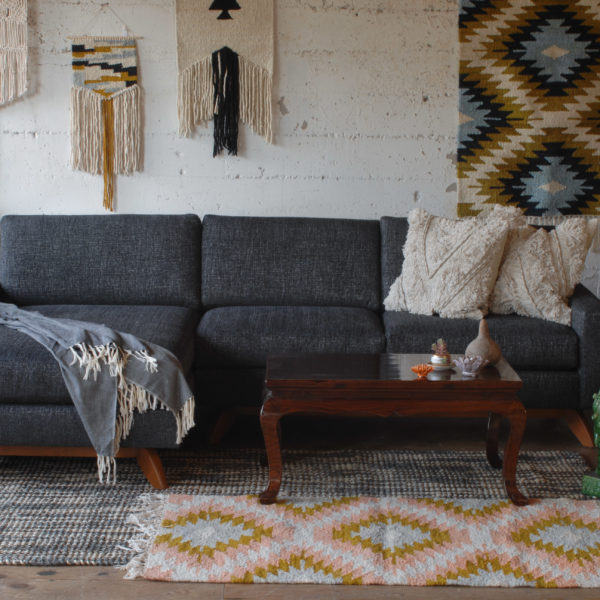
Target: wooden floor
[74,583]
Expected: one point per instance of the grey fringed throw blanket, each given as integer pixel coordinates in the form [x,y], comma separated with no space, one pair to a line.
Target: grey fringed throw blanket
[108,374]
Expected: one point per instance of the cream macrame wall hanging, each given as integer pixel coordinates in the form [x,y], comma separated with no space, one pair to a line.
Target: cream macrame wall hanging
[13,49]
[106,121]
[225,67]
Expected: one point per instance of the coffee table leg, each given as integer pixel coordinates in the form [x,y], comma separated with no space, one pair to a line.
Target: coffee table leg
[271,429]
[491,445]
[517,422]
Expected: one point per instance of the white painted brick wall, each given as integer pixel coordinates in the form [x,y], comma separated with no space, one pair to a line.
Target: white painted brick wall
[365,118]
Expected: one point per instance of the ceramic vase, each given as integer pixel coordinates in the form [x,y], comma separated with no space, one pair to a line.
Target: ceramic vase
[483,345]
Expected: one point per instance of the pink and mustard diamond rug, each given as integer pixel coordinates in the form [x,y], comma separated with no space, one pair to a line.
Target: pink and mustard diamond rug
[235,539]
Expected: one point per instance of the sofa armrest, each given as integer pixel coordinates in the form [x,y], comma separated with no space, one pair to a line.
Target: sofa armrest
[586,323]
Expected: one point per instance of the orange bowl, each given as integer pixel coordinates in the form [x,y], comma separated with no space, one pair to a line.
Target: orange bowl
[422,370]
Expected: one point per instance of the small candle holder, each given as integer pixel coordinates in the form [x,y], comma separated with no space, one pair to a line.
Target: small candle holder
[422,370]
[470,366]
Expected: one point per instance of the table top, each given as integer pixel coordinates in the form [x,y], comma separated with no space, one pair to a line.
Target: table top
[374,368]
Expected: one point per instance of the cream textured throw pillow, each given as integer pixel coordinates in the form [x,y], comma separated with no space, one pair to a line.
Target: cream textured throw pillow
[540,270]
[450,265]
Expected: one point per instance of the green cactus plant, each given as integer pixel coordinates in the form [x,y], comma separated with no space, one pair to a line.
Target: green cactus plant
[591,481]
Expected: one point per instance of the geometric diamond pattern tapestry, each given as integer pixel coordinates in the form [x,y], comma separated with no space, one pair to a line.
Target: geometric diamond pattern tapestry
[362,541]
[529,104]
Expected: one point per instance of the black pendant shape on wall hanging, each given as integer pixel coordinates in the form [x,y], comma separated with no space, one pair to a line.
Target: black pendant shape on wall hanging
[224,6]
[226,100]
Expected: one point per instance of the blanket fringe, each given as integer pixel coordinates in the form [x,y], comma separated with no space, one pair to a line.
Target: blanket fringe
[195,99]
[130,397]
[145,519]
[107,469]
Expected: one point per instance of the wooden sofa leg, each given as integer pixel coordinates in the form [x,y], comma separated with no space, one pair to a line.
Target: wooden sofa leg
[576,420]
[225,421]
[221,427]
[152,467]
[580,426]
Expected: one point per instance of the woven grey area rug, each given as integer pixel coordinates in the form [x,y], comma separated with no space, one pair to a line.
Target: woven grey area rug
[54,512]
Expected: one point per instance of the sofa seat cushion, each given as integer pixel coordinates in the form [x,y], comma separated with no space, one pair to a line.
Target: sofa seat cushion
[245,335]
[526,343]
[29,374]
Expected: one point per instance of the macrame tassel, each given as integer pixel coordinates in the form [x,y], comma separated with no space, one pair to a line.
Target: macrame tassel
[86,131]
[195,96]
[195,100]
[127,130]
[13,57]
[226,97]
[255,98]
[106,136]
[108,152]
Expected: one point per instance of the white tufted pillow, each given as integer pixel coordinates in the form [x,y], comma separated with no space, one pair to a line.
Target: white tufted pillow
[540,270]
[450,265]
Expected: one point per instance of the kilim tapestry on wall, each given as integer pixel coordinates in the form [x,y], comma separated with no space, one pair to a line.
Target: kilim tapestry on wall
[106,136]
[529,123]
[225,67]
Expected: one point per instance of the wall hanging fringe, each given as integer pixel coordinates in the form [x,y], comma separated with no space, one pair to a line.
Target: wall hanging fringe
[106,123]
[225,69]
[13,49]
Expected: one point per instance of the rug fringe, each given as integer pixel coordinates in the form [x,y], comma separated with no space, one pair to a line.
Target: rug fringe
[146,518]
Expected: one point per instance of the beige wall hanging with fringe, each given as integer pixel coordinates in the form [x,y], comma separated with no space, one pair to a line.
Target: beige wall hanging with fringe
[106,130]
[13,49]
[225,67]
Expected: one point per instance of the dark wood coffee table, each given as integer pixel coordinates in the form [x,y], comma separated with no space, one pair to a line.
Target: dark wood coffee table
[383,385]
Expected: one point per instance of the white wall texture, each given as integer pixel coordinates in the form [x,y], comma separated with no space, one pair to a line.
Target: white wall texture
[365,113]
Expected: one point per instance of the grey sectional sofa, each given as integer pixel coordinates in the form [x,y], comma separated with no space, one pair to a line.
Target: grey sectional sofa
[225,293]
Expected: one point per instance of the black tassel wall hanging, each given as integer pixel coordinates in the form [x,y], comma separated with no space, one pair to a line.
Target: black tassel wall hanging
[226,86]
[225,68]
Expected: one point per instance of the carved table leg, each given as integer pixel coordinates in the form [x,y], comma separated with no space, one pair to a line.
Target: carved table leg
[517,422]
[271,429]
[491,445]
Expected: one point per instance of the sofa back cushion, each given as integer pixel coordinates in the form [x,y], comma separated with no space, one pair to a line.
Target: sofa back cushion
[281,261]
[393,236]
[101,259]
